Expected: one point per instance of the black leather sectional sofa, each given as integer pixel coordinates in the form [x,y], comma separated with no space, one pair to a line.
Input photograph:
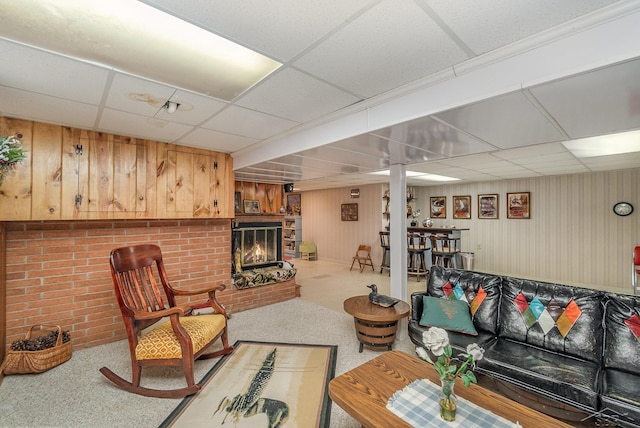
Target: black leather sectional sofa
[574,346]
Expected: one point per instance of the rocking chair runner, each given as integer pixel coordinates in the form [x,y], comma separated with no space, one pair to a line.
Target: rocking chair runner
[177,342]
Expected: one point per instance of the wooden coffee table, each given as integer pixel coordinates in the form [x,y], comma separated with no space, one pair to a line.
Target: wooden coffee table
[364,391]
[375,325]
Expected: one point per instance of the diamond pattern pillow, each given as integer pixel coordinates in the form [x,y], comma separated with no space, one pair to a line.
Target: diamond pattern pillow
[548,316]
[473,299]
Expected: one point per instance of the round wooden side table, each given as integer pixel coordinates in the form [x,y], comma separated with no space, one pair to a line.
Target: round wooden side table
[375,325]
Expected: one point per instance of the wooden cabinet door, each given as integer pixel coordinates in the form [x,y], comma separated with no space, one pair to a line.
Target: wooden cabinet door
[114,185]
[197,185]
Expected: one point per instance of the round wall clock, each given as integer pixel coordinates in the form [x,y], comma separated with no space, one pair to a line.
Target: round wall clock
[623,208]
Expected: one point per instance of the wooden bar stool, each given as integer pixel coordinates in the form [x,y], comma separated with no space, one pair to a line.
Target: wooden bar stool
[444,250]
[416,246]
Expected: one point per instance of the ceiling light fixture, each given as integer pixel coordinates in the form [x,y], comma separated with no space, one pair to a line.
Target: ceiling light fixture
[136,38]
[605,145]
[171,106]
[420,176]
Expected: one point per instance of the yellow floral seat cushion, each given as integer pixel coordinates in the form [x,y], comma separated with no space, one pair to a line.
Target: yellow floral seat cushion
[162,343]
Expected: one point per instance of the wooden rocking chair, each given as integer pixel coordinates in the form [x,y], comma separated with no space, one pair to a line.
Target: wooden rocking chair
[177,342]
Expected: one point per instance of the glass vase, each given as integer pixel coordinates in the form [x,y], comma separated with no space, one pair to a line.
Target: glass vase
[448,400]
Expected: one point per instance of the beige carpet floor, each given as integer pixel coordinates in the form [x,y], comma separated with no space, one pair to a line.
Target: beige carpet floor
[75,394]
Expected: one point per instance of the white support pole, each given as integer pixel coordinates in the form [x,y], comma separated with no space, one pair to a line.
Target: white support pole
[398,231]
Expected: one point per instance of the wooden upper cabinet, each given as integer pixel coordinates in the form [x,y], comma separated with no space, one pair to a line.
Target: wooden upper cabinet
[197,183]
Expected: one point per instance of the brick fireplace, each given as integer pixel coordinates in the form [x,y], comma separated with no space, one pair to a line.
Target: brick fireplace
[57,272]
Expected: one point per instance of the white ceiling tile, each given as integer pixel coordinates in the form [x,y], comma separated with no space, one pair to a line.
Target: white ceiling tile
[510,20]
[43,108]
[558,169]
[368,57]
[122,123]
[50,74]
[505,121]
[296,96]
[531,151]
[595,103]
[134,95]
[248,123]
[393,151]
[214,140]
[434,136]
[304,162]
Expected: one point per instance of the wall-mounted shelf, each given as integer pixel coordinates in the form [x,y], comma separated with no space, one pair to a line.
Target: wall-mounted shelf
[292,236]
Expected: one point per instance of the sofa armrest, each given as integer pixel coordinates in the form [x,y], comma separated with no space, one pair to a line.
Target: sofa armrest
[417,304]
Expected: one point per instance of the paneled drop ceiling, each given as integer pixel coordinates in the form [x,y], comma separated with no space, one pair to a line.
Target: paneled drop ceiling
[477,91]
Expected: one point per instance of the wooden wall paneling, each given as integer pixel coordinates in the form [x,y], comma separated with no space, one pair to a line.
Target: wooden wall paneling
[100,154]
[184,183]
[149,181]
[47,172]
[225,187]
[16,191]
[128,161]
[163,192]
[202,197]
[270,196]
[75,174]
[141,178]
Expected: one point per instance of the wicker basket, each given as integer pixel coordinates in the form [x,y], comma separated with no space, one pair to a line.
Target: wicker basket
[23,362]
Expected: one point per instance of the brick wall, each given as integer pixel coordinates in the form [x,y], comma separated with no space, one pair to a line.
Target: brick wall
[58,272]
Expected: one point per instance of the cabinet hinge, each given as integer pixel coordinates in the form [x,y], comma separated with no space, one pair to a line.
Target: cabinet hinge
[215,203]
[78,200]
[215,165]
[79,149]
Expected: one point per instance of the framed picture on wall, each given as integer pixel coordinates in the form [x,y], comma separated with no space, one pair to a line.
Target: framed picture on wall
[488,206]
[519,205]
[251,206]
[462,207]
[349,212]
[294,204]
[438,207]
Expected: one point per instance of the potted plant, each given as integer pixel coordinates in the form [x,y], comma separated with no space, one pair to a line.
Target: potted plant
[11,153]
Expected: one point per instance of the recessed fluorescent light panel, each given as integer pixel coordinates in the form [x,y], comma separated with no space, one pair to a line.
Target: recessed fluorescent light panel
[420,176]
[137,39]
[604,145]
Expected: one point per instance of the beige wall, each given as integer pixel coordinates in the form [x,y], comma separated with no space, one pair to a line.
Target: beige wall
[573,237]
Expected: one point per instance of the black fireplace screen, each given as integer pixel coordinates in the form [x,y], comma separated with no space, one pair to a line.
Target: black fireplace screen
[257,246]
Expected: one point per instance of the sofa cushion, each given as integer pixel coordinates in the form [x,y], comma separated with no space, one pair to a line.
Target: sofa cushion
[554,375]
[558,318]
[622,333]
[481,291]
[620,397]
[458,341]
[448,314]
